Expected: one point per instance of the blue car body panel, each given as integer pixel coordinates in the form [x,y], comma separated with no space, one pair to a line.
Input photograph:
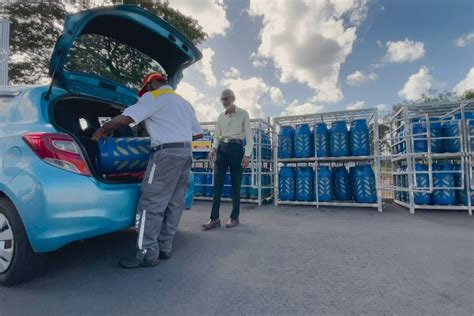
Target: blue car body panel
[58,206]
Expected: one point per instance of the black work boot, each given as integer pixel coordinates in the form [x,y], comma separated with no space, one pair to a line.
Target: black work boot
[141,259]
[165,255]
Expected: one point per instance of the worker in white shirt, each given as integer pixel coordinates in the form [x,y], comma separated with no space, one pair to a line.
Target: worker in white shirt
[172,125]
[228,152]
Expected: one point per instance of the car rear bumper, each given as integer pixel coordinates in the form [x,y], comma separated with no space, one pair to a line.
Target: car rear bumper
[58,207]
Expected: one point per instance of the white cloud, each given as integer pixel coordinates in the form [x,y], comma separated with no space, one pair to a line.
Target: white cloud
[466,84]
[204,66]
[381,106]
[355,106]
[251,93]
[465,40]
[276,95]
[418,84]
[404,51]
[258,61]
[325,33]
[206,109]
[380,43]
[358,78]
[211,14]
[297,108]
[232,73]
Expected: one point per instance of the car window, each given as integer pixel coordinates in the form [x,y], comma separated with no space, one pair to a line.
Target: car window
[105,57]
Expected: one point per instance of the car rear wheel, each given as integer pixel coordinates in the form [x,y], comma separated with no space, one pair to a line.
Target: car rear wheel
[18,262]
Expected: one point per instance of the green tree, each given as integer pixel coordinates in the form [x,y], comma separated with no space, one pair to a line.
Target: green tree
[469,94]
[36,26]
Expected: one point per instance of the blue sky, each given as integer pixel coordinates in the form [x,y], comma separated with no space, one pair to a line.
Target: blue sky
[296,57]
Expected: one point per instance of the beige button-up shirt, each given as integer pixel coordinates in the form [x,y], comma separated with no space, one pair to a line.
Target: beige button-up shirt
[234,126]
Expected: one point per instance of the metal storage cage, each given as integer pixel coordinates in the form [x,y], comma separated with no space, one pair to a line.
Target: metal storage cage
[431,156]
[259,174]
[372,158]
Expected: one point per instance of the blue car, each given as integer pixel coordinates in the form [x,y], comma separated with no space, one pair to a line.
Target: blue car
[51,191]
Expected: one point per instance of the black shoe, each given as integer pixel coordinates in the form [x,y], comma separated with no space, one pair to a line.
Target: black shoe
[165,255]
[213,223]
[232,223]
[138,261]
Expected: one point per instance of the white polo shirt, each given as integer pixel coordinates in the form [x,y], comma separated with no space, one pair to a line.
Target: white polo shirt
[168,118]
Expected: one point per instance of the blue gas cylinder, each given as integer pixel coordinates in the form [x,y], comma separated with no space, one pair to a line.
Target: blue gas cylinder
[398,184]
[121,155]
[341,184]
[359,138]
[266,149]
[444,179]
[420,144]
[364,184]
[287,184]
[227,190]
[402,147]
[305,184]
[339,139]
[303,141]
[422,182]
[199,182]
[188,199]
[255,145]
[246,181]
[404,184]
[323,190]
[436,131]
[286,142]
[395,146]
[450,128]
[321,140]
[461,194]
[209,189]
[469,117]
[253,192]
[266,181]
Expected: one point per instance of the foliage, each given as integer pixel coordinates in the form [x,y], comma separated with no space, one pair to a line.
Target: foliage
[36,26]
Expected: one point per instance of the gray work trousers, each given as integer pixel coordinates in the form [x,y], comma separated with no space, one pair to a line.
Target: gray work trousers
[161,202]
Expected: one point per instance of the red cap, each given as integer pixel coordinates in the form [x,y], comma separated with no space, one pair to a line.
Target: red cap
[148,78]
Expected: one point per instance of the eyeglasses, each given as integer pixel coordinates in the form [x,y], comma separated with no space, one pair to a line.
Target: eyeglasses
[225,99]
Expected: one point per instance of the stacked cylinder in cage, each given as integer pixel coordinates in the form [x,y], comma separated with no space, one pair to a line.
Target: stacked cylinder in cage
[328,184]
[338,141]
[449,186]
[203,172]
[444,135]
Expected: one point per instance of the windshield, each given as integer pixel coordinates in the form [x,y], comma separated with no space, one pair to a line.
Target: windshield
[105,57]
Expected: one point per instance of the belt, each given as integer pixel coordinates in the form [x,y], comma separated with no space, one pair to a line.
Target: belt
[171,145]
[232,141]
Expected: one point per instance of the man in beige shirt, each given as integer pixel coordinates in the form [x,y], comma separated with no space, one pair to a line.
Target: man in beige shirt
[228,152]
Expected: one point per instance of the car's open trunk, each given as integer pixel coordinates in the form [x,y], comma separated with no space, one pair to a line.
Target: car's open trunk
[80,117]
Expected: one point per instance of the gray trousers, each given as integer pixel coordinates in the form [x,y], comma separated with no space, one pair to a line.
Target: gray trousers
[161,202]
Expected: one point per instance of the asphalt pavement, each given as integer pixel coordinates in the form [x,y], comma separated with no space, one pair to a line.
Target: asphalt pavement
[286,260]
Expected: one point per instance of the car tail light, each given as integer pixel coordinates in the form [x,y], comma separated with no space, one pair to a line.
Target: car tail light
[59,150]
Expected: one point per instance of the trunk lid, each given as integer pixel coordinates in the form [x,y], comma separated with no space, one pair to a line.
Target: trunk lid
[105,52]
